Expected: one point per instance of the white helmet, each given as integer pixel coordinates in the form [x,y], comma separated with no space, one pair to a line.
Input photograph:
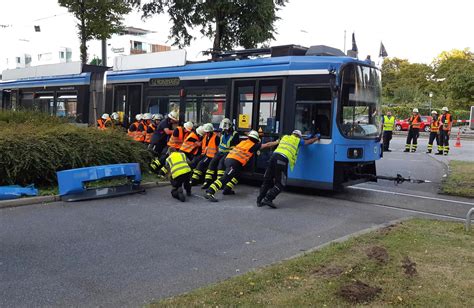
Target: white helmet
[139,117]
[445,109]
[297,132]
[115,116]
[200,130]
[415,110]
[147,116]
[225,124]
[157,116]
[173,115]
[188,126]
[434,112]
[105,116]
[254,134]
[208,127]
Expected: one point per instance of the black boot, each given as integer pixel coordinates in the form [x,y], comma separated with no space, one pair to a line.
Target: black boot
[259,201]
[181,195]
[210,197]
[206,185]
[228,191]
[269,203]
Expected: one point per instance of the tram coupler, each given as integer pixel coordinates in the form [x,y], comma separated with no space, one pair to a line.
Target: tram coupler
[396,179]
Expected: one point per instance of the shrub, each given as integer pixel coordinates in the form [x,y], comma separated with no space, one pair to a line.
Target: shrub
[32,151]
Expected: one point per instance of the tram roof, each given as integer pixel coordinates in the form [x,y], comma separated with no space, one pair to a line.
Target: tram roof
[261,67]
[53,81]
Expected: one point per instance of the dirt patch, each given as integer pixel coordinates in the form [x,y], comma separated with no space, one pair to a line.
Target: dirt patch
[358,292]
[409,266]
[386,230]
[330,271]
[378,254]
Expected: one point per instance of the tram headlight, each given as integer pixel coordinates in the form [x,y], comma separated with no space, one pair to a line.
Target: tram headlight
[355,153]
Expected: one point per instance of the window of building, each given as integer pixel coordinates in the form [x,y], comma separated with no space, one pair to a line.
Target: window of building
[18,60]
[61,55]
[313,111]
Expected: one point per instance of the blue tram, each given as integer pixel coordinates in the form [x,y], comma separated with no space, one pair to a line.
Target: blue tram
[274,91]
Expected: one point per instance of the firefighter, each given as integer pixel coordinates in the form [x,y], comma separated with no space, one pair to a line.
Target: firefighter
[156,118]
[179,134]
[104,122]
[413,131]
[445,124]
[237,158]
[210,142]
[275,176]
[228,139]
[434,132]
[388,124]
[150,128]
[192,144]
[180,174]
[159,139]
[133,128]
[143,128]
[115,117]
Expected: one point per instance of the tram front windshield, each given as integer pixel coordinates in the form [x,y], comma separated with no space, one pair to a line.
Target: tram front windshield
[359,111]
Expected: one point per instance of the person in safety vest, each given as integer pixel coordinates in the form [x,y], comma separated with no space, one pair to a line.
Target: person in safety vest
[104,122]
[175,142]
[160,137]
[275,176]
[115,117]
[237,158]
[192,144]
[445,123]
[228,140]
[143,127]
[413,131]
[133,128]
[209,148]
[180,174]
[150,128]
[388,124]
[434,133]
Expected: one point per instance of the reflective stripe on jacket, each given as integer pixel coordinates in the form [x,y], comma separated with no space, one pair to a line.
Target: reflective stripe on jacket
[446,121]
[224,146]
[242,152]
[189,146]
[434,125]
[178,164]
[388,123]
[415,121]
[177,142]
[288,147]
[209,147]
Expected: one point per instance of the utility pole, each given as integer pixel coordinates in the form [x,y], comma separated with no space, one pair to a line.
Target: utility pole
[104,52]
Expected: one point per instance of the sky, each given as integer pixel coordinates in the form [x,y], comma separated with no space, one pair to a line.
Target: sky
[417,30]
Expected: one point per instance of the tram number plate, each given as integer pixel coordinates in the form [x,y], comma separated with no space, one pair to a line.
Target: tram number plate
[164,82]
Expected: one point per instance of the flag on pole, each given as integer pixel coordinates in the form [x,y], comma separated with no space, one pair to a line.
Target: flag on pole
[354,45]
[383,52]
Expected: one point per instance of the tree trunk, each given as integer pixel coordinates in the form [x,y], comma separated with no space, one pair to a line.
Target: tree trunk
[216,48]
[83,35]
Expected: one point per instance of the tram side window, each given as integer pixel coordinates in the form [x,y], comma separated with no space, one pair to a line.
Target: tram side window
[26,100]
[313,111]
[205,105]
[268,109]
[67,106]
[212,109]
[245,96]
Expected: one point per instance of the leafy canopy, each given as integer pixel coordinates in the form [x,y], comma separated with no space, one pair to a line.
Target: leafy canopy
[230,23]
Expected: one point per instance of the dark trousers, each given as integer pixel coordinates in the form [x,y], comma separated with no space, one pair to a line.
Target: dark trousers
[274,180]
[387,136]
[444,140]
[178,183]
[413,134]
[216,166]
[199,171]
[434,136]
[195,161]
[229,179]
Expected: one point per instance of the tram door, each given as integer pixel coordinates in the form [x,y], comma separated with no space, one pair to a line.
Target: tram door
[257,106]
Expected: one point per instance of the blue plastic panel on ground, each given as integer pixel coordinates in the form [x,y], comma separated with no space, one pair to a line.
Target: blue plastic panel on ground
[72,181]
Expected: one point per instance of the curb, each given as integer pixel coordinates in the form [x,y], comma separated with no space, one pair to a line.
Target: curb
[48,199]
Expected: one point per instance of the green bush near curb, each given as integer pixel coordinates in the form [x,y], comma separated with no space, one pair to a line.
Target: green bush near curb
[34,146]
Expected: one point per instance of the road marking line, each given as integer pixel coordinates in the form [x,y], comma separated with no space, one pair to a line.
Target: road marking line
[410,195]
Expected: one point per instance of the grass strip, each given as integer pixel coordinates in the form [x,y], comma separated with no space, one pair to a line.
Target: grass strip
[460,180]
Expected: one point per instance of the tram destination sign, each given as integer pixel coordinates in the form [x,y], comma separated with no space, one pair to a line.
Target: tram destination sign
[164,82]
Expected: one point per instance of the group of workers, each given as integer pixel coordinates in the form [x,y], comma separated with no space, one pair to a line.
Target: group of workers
[440,129]
[213,158]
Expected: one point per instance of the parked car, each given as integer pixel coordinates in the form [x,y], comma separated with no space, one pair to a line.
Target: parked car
[403,124]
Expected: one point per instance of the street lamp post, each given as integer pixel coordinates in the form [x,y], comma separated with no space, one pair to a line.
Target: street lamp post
[431,95]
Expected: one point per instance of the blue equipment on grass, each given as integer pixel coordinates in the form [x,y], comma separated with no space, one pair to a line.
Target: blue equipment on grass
[15,191]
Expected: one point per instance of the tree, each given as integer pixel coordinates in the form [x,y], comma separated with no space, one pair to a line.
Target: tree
[229,23]
[97,19]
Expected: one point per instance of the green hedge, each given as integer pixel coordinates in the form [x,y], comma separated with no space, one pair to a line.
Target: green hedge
[32,151]
[403,112]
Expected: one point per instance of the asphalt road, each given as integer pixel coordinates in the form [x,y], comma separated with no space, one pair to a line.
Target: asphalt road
[128,251]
